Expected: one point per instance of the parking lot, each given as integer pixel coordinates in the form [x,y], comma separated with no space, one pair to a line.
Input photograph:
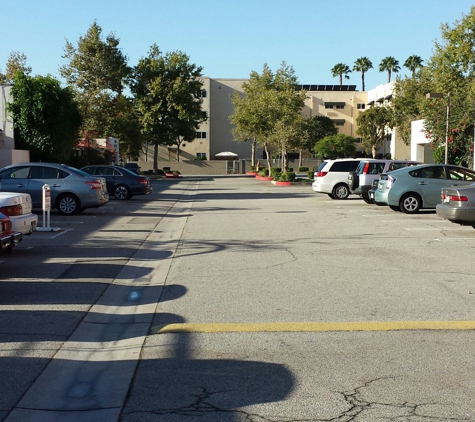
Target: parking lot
[231,299]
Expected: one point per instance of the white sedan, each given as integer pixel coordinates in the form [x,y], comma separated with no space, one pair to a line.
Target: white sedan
[17,206]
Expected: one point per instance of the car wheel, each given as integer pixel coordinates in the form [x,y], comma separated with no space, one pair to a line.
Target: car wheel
[393,207]
[122,192]
[331,195]
[382,204]
[367,200]
[68,204]
[410,203]
[341,191]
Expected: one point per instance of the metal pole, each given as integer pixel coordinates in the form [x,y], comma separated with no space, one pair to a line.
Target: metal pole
[447,130]
[473,139]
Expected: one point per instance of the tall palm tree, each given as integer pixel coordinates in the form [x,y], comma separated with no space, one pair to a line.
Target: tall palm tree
[341,70]
[413,63]
[363,64]
[389,64]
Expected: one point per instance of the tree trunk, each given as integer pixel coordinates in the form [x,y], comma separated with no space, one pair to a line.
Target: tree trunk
[155,157]
[253,153]
[284,159]
[374,150]
[300,158]
[266,149]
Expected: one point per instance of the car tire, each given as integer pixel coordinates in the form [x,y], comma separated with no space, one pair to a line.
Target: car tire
[382,204]
[341,191]
[367,200]
[331,195]
[410,203]
[393,207]
[68,204]
[353,180]
[122,192]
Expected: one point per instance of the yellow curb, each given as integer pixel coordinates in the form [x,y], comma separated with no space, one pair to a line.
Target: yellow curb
[312,327]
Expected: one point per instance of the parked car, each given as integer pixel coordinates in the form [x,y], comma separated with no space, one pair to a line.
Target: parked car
[8,237]
[121,182]
[412,188]
[17,206]
[133,167]
[331,177]
[72,190]
[458,205]
[360,181]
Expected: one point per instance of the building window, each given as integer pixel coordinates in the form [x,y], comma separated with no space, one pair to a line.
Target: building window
[339,122]
[200,135]
[328,105]
[360,106]
[201,156]
[202,94]
[339,106]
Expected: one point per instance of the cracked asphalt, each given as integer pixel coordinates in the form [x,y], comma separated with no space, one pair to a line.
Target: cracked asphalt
[227,299]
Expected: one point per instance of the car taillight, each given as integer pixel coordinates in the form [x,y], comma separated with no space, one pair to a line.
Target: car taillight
[6,226]
[94,184]
[455,198]
[321,173]
[12,210]
[391,181]
[366,168]
[142,180]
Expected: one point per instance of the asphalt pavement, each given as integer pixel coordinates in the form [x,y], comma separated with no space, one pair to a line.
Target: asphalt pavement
[231,299]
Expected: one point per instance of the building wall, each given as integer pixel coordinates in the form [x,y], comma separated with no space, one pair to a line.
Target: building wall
[8,153]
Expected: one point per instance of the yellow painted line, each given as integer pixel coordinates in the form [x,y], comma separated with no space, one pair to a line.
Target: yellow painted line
[273,327]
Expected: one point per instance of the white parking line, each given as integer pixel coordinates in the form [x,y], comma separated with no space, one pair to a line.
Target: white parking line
[61,233]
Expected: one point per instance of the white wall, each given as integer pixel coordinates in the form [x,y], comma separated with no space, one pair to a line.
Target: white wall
[420,144]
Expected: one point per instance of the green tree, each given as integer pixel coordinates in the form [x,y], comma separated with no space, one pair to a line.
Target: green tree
[249,116]
[168,98]
[336,146]
[270,111]
[373,126]
[45,116]
[363,64]
[413,63]
[97,70]
[16,63]
[341,70]
[318,127]
[389,64]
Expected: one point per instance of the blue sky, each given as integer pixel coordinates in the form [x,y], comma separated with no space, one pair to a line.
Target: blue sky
[231,38]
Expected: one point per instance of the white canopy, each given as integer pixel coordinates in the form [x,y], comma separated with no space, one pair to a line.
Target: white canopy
[226,154]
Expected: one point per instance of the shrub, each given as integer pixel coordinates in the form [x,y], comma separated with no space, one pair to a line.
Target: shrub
[253,168]
[166,169]
[287,176]
[303,168]
[264,172]
[275,172]
[310,174]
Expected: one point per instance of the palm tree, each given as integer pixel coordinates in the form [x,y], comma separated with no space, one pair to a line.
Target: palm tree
[389,64]
[413,63]
[363,64]
[341,69]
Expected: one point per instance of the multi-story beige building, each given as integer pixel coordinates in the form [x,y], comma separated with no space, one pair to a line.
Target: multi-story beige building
[342,104]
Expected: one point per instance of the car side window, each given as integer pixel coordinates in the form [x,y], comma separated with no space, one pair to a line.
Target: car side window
[39,172]
[395,166]
[117,173]
[429,173]
[461,174]
[104,171]
[16,173]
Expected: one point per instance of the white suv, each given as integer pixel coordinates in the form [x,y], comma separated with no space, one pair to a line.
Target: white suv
[331,177]
[360,181]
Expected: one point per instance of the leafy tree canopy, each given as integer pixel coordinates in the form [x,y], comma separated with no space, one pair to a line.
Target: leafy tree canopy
[373,126]
[16,63]
[336,146]
[45,117]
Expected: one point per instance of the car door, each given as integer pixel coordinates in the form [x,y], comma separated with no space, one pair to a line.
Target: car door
[41,175]
[15,179]
[430,181]
[108,174]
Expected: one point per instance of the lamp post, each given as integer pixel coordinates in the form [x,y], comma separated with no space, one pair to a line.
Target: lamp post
[439,95]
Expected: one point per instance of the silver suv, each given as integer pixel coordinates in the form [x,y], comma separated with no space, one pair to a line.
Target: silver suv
[361,180]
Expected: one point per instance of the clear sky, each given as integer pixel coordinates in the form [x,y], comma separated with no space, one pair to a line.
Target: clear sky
[231,38]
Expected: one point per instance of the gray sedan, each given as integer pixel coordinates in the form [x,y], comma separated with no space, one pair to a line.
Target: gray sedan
[71,189]
[458,205]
